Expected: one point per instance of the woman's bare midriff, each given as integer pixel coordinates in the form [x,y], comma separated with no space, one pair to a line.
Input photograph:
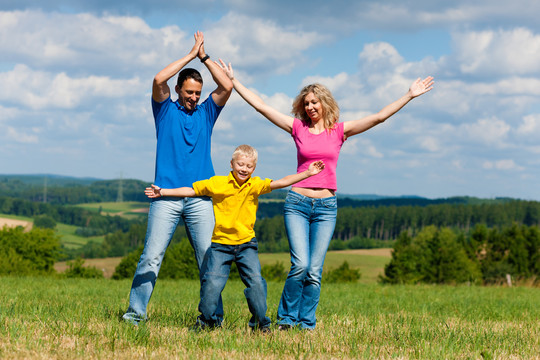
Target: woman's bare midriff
[314,193]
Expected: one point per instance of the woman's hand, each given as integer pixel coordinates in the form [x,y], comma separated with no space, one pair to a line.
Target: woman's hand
[420,86]
[227,69]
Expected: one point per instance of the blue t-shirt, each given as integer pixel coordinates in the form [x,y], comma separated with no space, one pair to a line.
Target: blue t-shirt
[183,142]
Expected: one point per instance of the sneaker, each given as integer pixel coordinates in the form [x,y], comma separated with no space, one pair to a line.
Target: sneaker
[284,327]
[264,329]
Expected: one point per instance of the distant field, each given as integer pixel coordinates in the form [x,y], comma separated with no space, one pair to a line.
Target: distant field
[14,221]
[370,262]
[67,232]
[127,209]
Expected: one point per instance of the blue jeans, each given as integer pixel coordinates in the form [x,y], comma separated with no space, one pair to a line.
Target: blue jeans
[216,272]
[163,217]
[310,225]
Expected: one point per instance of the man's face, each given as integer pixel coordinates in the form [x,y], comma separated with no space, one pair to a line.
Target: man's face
[189,94]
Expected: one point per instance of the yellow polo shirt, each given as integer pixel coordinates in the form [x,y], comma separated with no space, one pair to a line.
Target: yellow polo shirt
[235,207]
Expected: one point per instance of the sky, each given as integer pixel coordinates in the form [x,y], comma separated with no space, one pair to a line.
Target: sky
[76,76]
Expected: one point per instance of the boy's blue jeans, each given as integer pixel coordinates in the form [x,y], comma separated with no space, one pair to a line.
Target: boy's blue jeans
[163,217]
[216,268]
[310,224]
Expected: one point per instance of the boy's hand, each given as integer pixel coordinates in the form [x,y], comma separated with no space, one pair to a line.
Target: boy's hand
[315,167]
[153,192]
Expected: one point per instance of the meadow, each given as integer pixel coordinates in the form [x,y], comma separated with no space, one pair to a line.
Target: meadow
[49,318]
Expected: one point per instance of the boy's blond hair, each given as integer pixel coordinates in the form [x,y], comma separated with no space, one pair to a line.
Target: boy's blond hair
[247,151]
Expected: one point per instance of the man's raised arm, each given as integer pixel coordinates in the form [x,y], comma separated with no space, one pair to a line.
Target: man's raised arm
[224,84]
[160,89]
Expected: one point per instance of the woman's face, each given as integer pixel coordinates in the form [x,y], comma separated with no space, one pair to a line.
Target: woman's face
[313,107]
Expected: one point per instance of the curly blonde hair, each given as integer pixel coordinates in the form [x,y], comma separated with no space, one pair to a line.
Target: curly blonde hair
[329,105]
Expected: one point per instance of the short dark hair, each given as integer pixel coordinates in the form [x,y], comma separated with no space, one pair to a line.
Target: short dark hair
[188,73]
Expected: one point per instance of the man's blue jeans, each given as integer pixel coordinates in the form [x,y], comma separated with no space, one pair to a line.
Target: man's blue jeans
[216,272]
[310,224]
[163,217]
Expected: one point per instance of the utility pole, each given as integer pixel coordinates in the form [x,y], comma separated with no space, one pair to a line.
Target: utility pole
[120,195]
[45,189]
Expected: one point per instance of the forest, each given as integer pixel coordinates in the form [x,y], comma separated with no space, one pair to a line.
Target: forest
[489,237]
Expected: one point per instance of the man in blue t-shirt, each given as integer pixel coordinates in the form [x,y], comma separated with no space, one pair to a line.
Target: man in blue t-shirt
[183,131]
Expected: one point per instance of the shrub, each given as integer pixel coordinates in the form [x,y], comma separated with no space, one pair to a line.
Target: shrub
[77,270]
[44,222]
[342,274]
[28,253]
[275,272]
[179,263]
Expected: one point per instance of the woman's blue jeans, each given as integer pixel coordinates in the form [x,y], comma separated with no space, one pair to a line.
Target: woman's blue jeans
[310,224]
[216,270]
[163,217]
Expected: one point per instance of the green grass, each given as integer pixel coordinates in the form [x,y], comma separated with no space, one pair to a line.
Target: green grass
[76,319]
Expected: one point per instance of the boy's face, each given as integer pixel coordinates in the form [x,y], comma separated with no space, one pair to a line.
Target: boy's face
[242,167]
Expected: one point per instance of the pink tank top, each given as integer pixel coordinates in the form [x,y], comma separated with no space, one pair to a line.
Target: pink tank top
[312,147]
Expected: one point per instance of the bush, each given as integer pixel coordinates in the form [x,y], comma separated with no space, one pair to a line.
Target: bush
[44,222]
[28,253]
[342,274]
[128,265]
[275,272]
[77,270]
[435,256]
[179,263]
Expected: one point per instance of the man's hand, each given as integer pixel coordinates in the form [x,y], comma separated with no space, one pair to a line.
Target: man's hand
[201,54]
[196,49]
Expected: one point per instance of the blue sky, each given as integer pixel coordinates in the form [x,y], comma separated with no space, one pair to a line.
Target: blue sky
[76,79]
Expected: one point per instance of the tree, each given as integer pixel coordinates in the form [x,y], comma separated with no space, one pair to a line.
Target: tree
[44,222]
[28,253]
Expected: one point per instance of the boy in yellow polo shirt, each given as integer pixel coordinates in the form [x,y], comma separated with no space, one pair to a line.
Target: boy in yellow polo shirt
[235,198]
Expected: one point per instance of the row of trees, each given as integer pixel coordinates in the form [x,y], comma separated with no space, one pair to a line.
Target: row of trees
[442,255]
[75,192]
[381,225]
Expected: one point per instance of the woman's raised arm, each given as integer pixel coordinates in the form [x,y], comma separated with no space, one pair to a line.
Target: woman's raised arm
[281,120]
[417,88]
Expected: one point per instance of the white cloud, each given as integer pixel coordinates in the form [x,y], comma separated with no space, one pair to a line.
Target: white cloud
[255,43]
[505,164]
[83,43]
[20,137]
[490,52]
[530,126]
[430,143]
[40,89]
[488,131]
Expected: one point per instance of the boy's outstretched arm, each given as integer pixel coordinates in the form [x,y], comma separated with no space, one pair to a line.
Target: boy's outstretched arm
[314,168]
[155,192]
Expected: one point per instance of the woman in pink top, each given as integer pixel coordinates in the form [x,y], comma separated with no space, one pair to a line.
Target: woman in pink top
[310,209]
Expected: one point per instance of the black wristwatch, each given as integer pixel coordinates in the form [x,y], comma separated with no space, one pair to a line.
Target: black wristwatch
[205,58]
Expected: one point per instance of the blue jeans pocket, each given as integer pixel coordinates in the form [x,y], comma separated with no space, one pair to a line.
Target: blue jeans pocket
[330,202]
